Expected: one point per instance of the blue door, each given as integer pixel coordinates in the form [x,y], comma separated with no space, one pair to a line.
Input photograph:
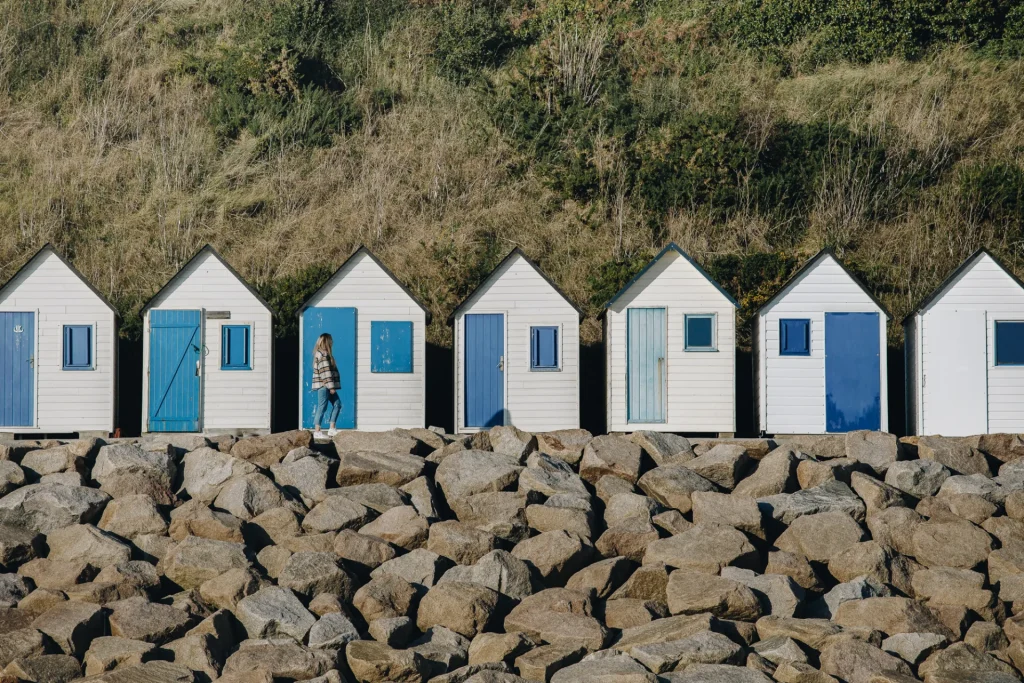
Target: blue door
[853,385]
[340,323]
[175,354]
[485,369]
[17,369]
[645,364]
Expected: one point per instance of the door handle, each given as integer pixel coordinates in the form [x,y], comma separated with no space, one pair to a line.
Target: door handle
[31,361]
[501,363]
[197,368]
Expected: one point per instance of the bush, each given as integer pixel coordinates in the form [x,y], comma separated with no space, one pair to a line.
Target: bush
[752,279]
[287,294]
[994,192]
[611,276]
[472,35]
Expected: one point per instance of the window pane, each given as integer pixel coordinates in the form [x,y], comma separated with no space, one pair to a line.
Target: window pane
[1010,343]
[699,332]
[544,347]
[391,347]
[794,337]
[77,346]
[235,347]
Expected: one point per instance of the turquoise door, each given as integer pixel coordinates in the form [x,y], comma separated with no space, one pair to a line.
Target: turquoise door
[645,365]
[485,369]
[340,323]
[17,369]
[853,384]
[175,354]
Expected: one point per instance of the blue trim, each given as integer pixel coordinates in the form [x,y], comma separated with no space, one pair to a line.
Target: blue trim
[236,338]
[75,338]
[672,246]
[794,336]
[1016,353]
[713,346]
[391,346]
[544,349]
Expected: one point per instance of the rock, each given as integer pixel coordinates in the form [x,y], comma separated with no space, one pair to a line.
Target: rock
[420,567]
[626,507]
[56,575]
[832,496]
[560,628]
[811,473]
[704,549]
[564,444]
[224,591]
[197,560]
[206,470]
[422,496]
[266,450]
[71,625]
[775,474]
[507,440]
[332,632]
[890,616]
[110,652]
[125,469]
[48,507]
[798,672]
[629,539]
[86,543]
[43,669]
[499,647]
[43,462]
[550,600]
[663,448]
[393,632]
[385,597]
[705,647]
[541,663]
[856,661]
[739,512]
[601,578]
[139,619]
[649,582]
[131,516]
[629,612]
[274,612]
[717,673]
[19,545]
[962,658]
[401,526]
[549,476]
[470,472]
[195,518]
[860,588]
[364,467]
[22,644]
[336,513]
[725,465]
[955,454]
[283,660]
[555,555]
[502,513]
[611,668]
[671,521]
[498,570]
[311,573]
[777,594]
[913,647]
[276,525]
[919,478]
[780,649]
[794,566]
[820,537]
[877,450]
[895,527]
[975,484]
[12,589]
[372,662]
[443,647]
[577,519]
[250,495]
[949,586]
[693,593]
[459,542]
[368,552]
[395,441]
[201,653]
[465,608]
[303,473]
[950,543]
[875,494]
[611,455]
[609,485]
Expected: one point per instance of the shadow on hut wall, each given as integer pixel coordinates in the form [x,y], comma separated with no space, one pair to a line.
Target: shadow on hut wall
[592,388]
[285,414]
[896,370]
[440,387]
[128,417]
[744,394]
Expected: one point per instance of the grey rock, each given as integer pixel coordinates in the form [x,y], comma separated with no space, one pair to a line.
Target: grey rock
[470,472]
[395,441]
[716,673]
[975,484]
[878,450]
[46,507]
[860,588]
[336,513]
[820,537]
[565,444]
[913,647]
[139,619]
[611,455]
[332,632]
[251,495]
[498,570]
[955,454]
[422,496]
[274,612]
[673,486]
[110,652]
[303,473]
[13,588]
[832,496]
[502,513]
[72,625]
[86,543]
[663,448]
[312,573]
[133,515]
[19,545]
[421,567]
[919,478]
[125,469]
[703,549]
[733,510]
[725,465]
[779,649]
[775,474]
[555,555]
[281,659]
[206,470]
[705,647]
[197,560]
[549,476]
[778,594]
[365,467]
[508,440]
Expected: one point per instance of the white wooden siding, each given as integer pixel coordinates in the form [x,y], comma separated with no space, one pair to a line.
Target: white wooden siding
[534,401]
[700,386]
[65,400]
[231,399]
[983,286]
[792,388]
[383,400]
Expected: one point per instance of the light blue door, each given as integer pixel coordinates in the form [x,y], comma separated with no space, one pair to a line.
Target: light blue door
[175,354]
[853,385]
[17,369]
[645,364]
[340,323]
[485,369]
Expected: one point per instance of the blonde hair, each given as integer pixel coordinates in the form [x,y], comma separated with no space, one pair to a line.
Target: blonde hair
[325,345]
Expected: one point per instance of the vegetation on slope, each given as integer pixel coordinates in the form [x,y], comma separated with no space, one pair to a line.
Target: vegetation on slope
[442,134]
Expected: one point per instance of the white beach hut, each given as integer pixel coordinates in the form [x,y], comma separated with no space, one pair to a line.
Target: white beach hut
[965,353]
[517,350]
[58,351]
[819,354]
[207,352]
[670,349]
[379,333]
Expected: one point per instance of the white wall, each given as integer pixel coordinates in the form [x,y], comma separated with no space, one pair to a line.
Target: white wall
[984,286]
[383,400]
[534,401]
[792,388]
[236,399]
[66,400]
[700,386]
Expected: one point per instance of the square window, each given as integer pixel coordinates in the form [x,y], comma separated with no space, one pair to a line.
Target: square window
[391,346]
[700,332]
[235,347]
[78,347]
[544,348]
[794,337]
[1010,342]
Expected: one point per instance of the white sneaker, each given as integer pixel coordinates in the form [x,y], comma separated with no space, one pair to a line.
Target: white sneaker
[319,436]
[331,433]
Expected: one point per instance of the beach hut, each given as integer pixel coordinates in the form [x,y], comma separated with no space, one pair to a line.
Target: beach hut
[379,333]
[670,350]
[58,351]
[207,352]
[517,347]
[819,354]
[965,353]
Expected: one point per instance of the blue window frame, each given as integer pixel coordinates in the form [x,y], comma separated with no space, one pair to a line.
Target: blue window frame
[1010,342]
[78,347]
[794,337]
[544,348]
[391,346]
[236,347]
[699,332]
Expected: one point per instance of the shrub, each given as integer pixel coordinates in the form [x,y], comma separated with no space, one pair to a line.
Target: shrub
[611,276]
[287,294]
[994,192]
[472,35]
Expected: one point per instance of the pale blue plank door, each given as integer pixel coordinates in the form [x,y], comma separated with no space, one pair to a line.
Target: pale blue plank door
[853,385]
[17,369]
[340,323]
[175,348]
[485,369]
[645,365]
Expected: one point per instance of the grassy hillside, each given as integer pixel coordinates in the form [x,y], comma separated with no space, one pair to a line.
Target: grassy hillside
[443,133]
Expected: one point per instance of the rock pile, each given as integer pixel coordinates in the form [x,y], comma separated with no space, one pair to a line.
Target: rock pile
[415,556]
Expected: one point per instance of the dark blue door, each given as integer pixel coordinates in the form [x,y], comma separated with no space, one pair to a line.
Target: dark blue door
[175,352]
[853,385]
[340,323]
[485,369]
[645,364]
[17,369]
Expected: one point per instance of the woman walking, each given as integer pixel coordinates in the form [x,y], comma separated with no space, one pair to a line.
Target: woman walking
[326,382]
